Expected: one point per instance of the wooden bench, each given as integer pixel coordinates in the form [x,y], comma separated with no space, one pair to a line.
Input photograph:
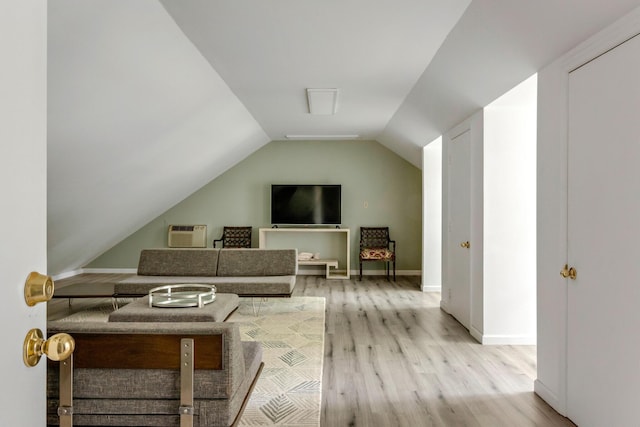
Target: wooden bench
[184,374]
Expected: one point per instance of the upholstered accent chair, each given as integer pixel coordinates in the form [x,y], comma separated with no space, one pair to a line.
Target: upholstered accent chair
[235,237]
[376,245]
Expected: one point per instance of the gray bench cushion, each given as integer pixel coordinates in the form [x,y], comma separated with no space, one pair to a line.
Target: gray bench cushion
[139,311]
[257,262]
[263,285]
[178,262]
[162,412]
[140,285]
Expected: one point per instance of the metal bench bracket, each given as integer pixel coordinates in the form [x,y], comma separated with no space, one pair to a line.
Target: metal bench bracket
[65,408]
[186,382]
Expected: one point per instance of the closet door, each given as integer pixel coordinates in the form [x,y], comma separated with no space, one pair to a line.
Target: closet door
[603,349]
[459,302]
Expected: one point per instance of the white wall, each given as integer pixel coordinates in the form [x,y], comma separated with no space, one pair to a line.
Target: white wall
[503,218]
[432,216]
[510,217]
[135,113]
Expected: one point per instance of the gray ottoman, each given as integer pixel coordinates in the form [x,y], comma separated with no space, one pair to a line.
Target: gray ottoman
[139,311]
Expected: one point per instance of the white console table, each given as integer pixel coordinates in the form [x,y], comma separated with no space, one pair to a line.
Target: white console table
[329,263]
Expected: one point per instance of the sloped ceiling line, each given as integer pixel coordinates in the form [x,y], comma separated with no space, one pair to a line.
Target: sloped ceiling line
[132,83]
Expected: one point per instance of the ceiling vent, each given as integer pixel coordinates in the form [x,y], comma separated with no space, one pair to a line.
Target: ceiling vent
[321,137]
[322,101]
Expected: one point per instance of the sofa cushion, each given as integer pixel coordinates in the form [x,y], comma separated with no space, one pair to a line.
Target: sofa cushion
[178,262]
[139,311]
[257,286]
[377,254]
[246,272]
[257,262]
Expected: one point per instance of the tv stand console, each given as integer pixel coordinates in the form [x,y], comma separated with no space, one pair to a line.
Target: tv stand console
[329,263]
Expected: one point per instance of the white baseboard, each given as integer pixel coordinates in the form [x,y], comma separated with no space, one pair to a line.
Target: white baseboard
[382,272]
[308,270]
[476,334]
[431,288]
[67,274]
[550,397]
[321,271]
[110,270]
[443,306]
[506,339]
[316,272]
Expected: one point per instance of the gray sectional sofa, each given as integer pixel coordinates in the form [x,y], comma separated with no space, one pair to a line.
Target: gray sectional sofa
[139,390]
[245,272]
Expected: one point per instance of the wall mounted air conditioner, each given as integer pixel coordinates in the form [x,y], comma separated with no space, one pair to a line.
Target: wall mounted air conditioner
[187,236]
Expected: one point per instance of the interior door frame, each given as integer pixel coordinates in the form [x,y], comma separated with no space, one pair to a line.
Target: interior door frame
[474,125]
[460,301]
[552,252]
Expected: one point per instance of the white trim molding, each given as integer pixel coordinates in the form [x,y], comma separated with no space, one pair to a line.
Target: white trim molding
[431,288]
[110,270]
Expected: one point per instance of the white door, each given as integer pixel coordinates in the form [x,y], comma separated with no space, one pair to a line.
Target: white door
[23,186]
[459,303]
[603,352]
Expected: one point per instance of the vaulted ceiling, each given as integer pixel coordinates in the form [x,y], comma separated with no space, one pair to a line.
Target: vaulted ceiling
[149,100]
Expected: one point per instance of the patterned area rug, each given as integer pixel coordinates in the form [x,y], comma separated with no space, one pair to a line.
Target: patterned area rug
[291,330]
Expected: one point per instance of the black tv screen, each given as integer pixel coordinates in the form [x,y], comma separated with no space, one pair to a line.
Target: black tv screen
[306,204]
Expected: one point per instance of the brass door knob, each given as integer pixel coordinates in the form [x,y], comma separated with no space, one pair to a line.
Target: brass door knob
[38,288]
[570,273]
[465,244]
[57,347]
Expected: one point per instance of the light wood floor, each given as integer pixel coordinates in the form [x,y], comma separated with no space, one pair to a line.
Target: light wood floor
[393,358]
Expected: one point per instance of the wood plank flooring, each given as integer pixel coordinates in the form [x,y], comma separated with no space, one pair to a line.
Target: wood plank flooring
[393,358]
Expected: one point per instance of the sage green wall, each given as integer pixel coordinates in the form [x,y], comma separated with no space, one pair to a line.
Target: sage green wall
[367,171]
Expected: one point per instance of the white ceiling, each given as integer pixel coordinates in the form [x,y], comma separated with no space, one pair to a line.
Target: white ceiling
[150,100]
[269,52]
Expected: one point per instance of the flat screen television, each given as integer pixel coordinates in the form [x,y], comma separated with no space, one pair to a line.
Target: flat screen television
[306,204]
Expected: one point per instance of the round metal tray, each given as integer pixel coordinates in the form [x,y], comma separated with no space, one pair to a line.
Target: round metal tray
[183,295]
